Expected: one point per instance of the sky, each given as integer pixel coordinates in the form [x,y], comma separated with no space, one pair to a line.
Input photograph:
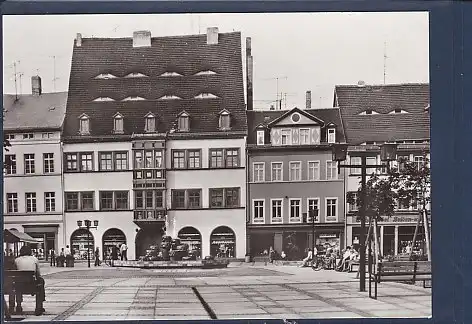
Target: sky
[293,52]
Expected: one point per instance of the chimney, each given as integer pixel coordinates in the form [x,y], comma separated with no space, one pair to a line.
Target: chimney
[249,75]
[272,107]
[142,38]
[212,35]
[308,99]
[36,89]
[78,40]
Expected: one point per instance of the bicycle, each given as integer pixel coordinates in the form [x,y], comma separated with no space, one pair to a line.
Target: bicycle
[321,263]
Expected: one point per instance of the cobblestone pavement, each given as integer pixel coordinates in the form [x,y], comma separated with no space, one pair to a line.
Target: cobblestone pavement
[250,292]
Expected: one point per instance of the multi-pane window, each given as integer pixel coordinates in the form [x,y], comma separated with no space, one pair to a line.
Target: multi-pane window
[50,201]
[178,159]
[216,158]
[295,209]
[148,199]
[139,199]
[224,197]
[12,202]
[28,136]
[331,170]
[71,161]
[142,159]
[276,210]
[314,170]
[150,125]
[331,135]
[29,164]
[106,200]
[224,158]
[158,199]
[194,158]
[258,211]
[352,206]
[30,202]
[148,159]
[371,160]
[331,209]
[259,171]
[419,162]
[304,136]
[106,161]
[178,199]
[47,135]
[10,163]
[286,136]
[84,127]
[313,204]
[276,172]
[121,200]
[183,123]
[86,200]
[86,162]
[72,201]
[121,161]
[48,162]
[138,159]
[260,137]
[118,124]
[194,198]
[295,171]
[355,160]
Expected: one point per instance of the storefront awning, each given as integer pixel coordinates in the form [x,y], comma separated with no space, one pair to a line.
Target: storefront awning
[14,236]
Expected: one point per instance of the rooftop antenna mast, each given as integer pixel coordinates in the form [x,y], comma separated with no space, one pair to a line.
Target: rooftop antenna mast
[385,61]
[54,79]
[16,75]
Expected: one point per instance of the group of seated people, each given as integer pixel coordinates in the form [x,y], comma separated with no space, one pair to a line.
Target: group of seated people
[332,258]
[350,256]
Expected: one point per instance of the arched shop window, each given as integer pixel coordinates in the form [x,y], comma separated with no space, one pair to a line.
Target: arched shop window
[112,237]
[80,240]
[223,242]
[192,237]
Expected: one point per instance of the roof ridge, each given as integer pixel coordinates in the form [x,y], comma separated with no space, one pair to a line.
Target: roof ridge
[157,37]
[382,85]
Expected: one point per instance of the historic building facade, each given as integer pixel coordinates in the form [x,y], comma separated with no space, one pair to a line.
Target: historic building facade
[155,144]
[290,171]
[373,115]
[33,170]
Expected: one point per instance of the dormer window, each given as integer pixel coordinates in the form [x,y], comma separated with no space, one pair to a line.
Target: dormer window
[105,76]
[169,97]
[260,137]
[183,122]
[225,120]
[369,112]
[134,98]
[331,135]
[206,72]
[104,99]
[398,111]
[170,74]
[118,124]
[136,75]
[150,123]
[205,96]
[84,125]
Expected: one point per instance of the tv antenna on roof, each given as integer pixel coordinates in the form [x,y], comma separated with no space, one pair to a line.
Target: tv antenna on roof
[16,75]
[54,79]
[385,61]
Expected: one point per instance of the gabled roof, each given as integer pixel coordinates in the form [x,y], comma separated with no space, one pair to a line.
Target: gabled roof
[384,126]
[185,55]
[301,112]
[257,118]
[30,112]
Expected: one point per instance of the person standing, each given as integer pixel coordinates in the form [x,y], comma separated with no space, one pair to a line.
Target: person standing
[124,252]
[97,257]
[114,254]
[52,256]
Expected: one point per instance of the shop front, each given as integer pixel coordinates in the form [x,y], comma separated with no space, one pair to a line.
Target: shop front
[82,241]
[46,236]
[223,242]
[112,237]
[192,237]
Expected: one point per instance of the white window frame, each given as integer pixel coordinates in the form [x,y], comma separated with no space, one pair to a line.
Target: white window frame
[84,125]
[150,124]
[328,169]
[369,171]
[290,170]
[277,220]
[13,199]
[308,209]
[288,134]
[317,174]
[49,201]
[118,124]
[254,179]
[352,160]
[260,135]
[331,134]
[258,220]
[48,163]
[281,171]
[348,205]
[294,219]
[33,199]
[326,209]
[308,136]
[417,163]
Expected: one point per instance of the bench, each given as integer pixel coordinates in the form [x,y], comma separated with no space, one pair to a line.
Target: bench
[17,283]
[400,271]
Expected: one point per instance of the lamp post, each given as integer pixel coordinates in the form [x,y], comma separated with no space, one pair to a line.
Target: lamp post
[88,226]
[313,213]
[388,153]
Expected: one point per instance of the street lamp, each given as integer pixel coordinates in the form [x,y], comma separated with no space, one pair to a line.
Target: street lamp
[313,213]
[388,152]
[88,226]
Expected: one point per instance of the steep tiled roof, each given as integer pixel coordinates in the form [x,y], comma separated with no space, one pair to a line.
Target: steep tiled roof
[383,99]
[184,55]
[264,117]
[30,112]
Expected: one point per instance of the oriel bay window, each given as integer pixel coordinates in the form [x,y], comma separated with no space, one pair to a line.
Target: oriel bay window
[148,199]
[114,200]
[186,198]
[224,158]
[225,197]
[148,159]
[80,201]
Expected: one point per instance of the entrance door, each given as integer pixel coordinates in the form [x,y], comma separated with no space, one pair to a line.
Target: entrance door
[146,238]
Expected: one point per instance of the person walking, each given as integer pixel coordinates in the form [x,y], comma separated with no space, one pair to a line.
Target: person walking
[124,252]
[97,257]
[52,256]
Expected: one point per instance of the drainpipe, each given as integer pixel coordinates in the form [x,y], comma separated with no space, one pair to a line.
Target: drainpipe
[248,199]
[64,232]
